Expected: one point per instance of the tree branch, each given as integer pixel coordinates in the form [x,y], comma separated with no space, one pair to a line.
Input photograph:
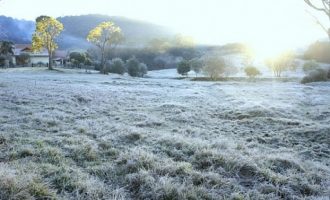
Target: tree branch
[325,8]
[318,22]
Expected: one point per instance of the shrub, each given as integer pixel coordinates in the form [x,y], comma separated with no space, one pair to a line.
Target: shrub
[318,51]
[183,68]
[317,75]
[143,69]
[77,58]
[23,59]
[133,67]
[117,66]
[310,66]
[214,66]
[251,71]
[136,69]
[196,65]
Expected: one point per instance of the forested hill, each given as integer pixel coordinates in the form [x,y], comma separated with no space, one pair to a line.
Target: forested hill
[136,33]
[18,31]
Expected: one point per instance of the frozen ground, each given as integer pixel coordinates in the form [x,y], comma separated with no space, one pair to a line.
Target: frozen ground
[69,135]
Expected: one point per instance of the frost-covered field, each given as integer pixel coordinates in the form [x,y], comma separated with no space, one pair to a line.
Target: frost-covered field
[89,136]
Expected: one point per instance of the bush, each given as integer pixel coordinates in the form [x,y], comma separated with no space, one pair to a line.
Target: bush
[318,51]
[310,66]
[23,59]
[143,69]
[117,66]
[133,67]
[136,69]
[317,75]
[196,65]
[214,66]
[77,58]
[183,68]
[251,71]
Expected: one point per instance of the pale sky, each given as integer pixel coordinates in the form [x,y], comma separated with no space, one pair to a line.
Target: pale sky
[279,24]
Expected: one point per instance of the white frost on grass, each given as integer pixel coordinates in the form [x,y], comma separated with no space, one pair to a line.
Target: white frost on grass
[96,136]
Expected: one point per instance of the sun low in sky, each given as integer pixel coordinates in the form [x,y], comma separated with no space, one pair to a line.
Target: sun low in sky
[270,26]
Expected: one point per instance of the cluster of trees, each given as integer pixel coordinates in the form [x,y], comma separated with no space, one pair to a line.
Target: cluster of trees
[6,52]
[213,66]
[132,66]
[6,55]
[160,53]
[80,59]
[106,36]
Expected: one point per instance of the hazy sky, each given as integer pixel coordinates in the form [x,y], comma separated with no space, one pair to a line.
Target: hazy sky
[279,24]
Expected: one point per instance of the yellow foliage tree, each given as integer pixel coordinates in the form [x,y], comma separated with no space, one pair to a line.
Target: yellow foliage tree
[105,35]
[47,29]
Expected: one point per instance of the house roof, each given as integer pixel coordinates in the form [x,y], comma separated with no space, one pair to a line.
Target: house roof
[27,48]
[22,46]
[19,48]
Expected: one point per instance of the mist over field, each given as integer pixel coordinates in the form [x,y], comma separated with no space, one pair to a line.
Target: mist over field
[164,100]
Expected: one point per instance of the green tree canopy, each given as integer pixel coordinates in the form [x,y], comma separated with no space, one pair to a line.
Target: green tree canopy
[183,67]
[6,48]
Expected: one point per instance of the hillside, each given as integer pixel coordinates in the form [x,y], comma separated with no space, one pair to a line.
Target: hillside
[18,31]
[136,33]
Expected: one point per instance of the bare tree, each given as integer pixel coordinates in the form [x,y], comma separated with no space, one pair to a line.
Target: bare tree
[322,6]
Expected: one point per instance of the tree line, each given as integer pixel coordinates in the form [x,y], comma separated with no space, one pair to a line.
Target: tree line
[217,66]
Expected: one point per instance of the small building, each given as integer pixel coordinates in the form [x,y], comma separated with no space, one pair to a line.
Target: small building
[34,57]
[37,58]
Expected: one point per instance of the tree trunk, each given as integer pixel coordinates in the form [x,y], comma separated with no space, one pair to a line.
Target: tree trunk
[103,67]
[50,60]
